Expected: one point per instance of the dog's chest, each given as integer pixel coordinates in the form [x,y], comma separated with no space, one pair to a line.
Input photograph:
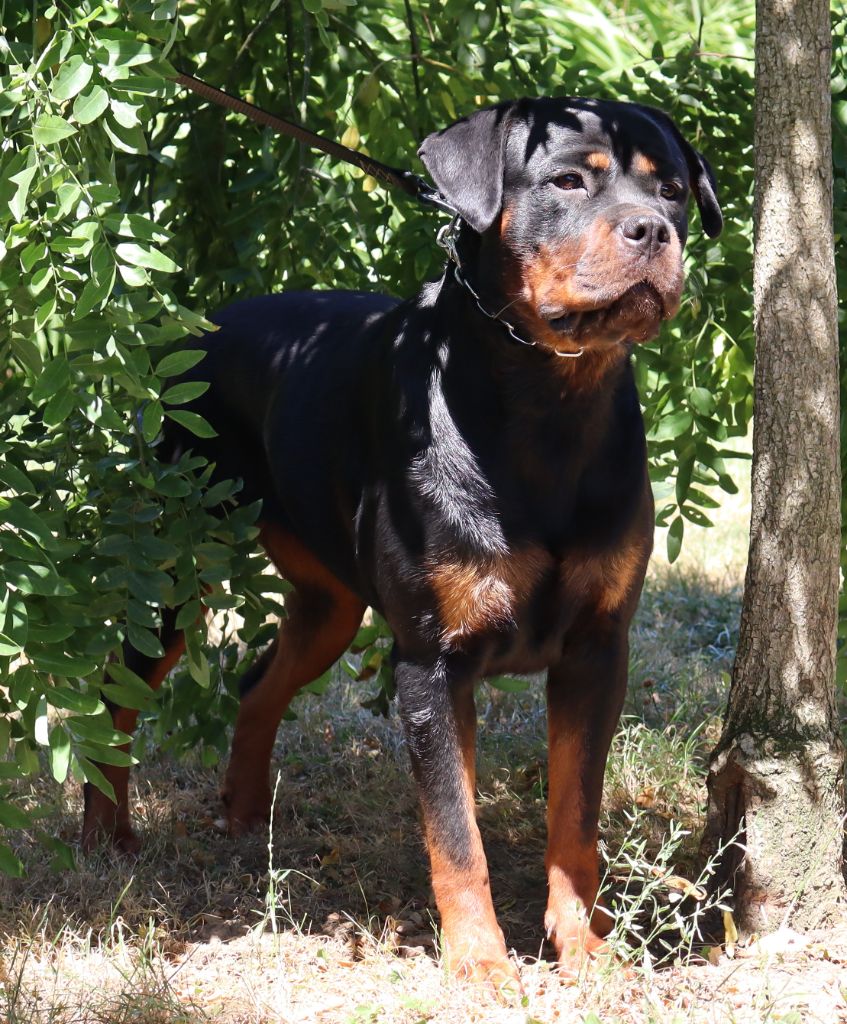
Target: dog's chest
[525,601]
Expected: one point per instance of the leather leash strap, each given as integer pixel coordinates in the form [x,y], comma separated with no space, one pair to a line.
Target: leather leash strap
[412,184]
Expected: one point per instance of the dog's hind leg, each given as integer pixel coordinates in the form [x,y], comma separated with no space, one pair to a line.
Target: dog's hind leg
[104,819]
[322,618]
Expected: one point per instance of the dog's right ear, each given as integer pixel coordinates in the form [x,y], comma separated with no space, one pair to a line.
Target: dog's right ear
[465,160]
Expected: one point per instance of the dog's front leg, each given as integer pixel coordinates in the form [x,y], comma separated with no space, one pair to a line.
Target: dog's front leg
[585,692]
[439,718]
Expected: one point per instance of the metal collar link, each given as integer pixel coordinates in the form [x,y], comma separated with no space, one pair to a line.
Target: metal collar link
[446,238]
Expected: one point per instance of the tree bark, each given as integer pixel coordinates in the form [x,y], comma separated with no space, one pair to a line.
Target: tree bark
[776,777]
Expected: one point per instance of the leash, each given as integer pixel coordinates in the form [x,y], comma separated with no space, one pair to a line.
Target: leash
[412,184]
[407,181]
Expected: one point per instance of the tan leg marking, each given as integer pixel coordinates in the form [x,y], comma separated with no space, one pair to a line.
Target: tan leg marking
[474,947]
[323,616]
[104,819]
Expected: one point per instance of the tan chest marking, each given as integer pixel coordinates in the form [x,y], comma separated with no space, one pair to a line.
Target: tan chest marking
[606,581]
[476,596]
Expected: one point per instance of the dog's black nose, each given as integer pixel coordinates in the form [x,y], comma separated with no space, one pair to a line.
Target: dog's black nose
[648,233]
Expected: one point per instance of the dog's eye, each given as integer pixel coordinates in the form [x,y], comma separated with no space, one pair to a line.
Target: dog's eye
[569,181]
[670,190]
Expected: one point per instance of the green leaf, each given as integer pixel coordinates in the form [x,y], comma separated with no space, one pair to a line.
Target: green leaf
[15,513]
[94,293]
[198,664]
[96,729]
[147,256]
[151,421]
[144,641]
[106,755]
[189,614]
[50,129]
[15,626]
[44,312]
[57,663]
[320,685]
[56,375]
[60,752]
[126,697]
[675,533]
[32,254]
[92,774]
[40,279]
[90,105]
[178,362]
[185,392]
[73,700]
[37,579]
[122,49]
[127,678]
[129,140]
[63,855]
[12,816]
[672,426]
[59,408]
[72,78]
[23,179]
[10,864]
[26,758]
[193,422]
[135,277]
[702,401]
[15,478]
[67,194]
[509,684]
[126,114]
[220,601]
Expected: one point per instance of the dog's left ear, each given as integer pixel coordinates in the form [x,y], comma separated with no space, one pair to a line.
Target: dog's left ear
[701,176]
[465,160]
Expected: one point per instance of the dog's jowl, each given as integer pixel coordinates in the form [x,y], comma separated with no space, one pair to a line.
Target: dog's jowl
[470,462]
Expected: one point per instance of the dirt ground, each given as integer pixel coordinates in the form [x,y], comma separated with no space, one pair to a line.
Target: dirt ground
[330,918]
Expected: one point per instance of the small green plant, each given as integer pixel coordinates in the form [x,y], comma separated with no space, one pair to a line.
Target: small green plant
[658,914]
[276,876]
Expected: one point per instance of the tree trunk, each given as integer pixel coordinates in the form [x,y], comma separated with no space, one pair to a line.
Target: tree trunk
[776,777]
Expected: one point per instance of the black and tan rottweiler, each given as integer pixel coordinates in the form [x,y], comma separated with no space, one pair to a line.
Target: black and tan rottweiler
[471,463]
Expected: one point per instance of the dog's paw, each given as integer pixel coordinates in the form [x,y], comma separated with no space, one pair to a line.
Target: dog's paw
[578,940]
[246,810]
[501,977]
[121,838]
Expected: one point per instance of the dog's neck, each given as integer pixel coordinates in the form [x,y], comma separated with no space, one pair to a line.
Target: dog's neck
[479,292]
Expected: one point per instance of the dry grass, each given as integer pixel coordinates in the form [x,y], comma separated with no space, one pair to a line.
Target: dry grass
[340,929]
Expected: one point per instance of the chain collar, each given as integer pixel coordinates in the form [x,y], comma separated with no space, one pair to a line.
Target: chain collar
[446,238]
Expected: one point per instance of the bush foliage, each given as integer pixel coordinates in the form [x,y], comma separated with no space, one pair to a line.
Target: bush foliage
[128,209]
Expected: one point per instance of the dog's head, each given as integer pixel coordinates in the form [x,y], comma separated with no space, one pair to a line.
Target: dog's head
[581,206]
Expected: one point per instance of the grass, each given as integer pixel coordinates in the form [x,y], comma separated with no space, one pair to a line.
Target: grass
[337,925]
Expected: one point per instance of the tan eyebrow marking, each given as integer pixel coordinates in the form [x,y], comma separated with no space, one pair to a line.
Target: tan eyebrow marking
[645,164]
[598,161]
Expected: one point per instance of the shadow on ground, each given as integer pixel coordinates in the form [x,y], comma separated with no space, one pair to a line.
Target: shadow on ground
[346,842]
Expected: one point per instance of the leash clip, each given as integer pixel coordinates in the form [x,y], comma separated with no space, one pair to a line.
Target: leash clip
[446,238]
[425,193]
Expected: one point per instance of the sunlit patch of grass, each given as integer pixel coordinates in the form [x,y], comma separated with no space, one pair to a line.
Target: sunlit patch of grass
[616,35]
[340,925]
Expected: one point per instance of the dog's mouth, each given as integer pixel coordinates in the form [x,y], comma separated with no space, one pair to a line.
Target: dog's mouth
[634,316]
